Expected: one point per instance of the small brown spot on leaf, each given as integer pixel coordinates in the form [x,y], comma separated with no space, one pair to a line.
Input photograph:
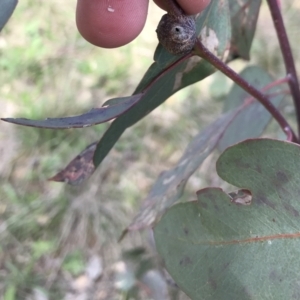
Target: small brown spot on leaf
[185,261]
[257,169]
[291,209]
[225,266]
[241,164]
[274,276]
[203,205]
[212,282]
[282,177]
[247,293]
[261,199]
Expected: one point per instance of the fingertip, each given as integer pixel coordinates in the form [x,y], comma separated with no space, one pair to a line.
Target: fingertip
[191,7]
[111,24]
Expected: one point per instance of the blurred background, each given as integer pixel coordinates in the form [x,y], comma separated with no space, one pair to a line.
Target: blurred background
[59,241]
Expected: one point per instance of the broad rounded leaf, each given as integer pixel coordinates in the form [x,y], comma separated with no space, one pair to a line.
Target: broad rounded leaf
[217,249]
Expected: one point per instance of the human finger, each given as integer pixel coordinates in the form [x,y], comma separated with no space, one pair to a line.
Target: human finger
[111,23]
[191,7]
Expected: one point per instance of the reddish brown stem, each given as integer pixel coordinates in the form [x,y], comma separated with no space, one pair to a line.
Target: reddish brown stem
[173,8]
[263,99]
[276,83]
[271,85]
[287,55]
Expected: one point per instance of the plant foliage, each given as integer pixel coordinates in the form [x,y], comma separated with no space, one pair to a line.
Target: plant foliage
[238,245]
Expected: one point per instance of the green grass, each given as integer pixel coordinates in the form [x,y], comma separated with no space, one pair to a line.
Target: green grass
[48,230]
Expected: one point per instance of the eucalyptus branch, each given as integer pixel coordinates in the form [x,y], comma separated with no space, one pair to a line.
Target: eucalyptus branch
[203,52]
[287,55]
[167,69]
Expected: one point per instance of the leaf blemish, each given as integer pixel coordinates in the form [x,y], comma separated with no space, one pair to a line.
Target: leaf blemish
[185,261]
[282,177]
[213,283]
[274,276]
[291,209]
[261,199]
[191,64]
[209,39]
[203,205]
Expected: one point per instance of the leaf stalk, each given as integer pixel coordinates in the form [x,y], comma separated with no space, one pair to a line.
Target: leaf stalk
[287,55]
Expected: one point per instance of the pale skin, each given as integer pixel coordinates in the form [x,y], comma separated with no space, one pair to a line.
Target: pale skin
[114,23]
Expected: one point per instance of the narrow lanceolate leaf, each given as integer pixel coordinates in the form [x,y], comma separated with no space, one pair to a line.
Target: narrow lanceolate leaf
[252,121]
[213,26]
[93,117]
[214,30]
[79,169]
[7,7]
[244,15]
[217,249]
[169,186]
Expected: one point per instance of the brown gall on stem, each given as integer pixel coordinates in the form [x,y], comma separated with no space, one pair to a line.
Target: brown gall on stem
[177,33]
